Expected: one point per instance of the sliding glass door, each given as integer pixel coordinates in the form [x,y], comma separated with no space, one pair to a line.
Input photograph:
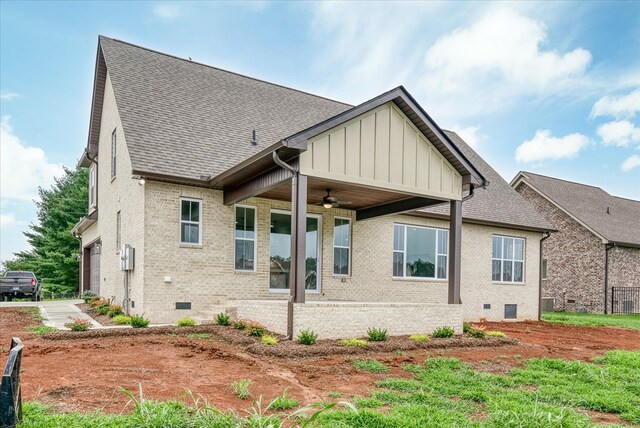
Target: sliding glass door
[280,252]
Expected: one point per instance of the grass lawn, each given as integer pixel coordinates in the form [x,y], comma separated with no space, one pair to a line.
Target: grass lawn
[443,392]
[593,320]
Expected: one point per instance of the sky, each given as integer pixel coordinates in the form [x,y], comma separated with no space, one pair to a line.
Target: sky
[547,87]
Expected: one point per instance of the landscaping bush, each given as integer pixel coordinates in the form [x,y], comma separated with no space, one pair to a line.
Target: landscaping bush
[377,334]
[467,327]
[254,329]
[478,334]
[419,337]
[269,340]
[444,332]
[115,310]
[78,324]
[138,321]
[307,337]
[496,334]
[283,402]
[241,388]
[103,309]
[186,322]
[99,302]
[239,325]
[370,366]
[122,320]
[222,319]
[353,342]
[89,296]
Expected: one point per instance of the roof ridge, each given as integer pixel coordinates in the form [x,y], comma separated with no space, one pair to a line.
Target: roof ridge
[222,69]
[625,199]
[565,180]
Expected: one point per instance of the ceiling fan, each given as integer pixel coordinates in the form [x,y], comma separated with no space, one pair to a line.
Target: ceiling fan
[331,201]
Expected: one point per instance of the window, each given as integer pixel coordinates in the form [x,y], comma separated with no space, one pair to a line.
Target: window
[190,218]
[420,252]
[245,237]
[510,312]
[118,231]
[93,200]
[507,259]
[544,268]
[113,153]
[341,245]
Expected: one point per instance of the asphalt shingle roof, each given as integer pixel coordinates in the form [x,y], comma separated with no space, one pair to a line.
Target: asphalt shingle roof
[589,204]
[186,119]
[497,203]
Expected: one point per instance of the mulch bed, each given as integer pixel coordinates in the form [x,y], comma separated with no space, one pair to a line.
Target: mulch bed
[288,348]
[101,319]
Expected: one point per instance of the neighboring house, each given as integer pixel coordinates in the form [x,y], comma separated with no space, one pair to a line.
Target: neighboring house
[291,209]
[592,262]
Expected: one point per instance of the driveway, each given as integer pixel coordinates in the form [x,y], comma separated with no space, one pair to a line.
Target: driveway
[56,313]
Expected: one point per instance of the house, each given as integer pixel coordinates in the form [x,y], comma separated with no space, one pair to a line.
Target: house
[592,262]
[219,192]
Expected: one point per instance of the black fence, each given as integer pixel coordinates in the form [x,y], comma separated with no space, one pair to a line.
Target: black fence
[625,300]
[10,395]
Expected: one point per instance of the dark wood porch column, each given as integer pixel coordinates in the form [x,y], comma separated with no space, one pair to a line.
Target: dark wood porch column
[455,241]
[298,237]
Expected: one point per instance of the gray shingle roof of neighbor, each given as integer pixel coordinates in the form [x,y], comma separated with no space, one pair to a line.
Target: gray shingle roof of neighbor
[186,119]
[615,219]
[498,203]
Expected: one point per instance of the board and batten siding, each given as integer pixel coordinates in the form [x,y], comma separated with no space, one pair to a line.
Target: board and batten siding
[383,149]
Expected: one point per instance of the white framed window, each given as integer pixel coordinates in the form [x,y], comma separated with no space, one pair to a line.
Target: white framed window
[113,153]
[507,259]
[245,238]
[93,194]
[342,246]
[420,252]
[190,221]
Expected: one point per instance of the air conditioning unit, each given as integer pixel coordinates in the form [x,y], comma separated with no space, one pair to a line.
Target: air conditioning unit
[127,257]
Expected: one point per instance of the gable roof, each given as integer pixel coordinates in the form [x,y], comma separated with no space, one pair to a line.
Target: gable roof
[613,219]
[169,105]
[497,204]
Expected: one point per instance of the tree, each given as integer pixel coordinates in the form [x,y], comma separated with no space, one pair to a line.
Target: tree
[54,251]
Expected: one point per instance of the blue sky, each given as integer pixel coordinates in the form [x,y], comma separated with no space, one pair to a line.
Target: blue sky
[547,87]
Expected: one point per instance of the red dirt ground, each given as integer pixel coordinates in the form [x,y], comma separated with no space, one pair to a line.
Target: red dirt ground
[85,374]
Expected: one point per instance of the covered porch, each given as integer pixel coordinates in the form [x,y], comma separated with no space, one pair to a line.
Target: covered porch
[383,157]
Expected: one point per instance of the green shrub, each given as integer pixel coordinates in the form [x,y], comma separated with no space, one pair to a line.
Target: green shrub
[444,332]
[39,330]
[254,329]
[103,309]
[307,337]
[115,310]
[478,334]
[186,322]
[370,366]
[89,296]
[138,321]
[269,340]
[239,325]
[241,388]
[78,324]
[283,402]
[419,337]
[496,334]
[122,320]
[467,327]
[222,319]
[353,342]
[377,334]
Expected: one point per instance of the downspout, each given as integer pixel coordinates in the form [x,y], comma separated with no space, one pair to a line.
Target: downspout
[546,235]
[295,173]
[607,247]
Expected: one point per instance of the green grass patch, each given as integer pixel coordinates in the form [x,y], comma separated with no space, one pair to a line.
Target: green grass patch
[545,393]
[370,366]
[592,320]
[39,330]
[283,402]
[34,311]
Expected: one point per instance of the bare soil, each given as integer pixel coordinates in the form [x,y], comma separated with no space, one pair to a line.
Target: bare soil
[85,373]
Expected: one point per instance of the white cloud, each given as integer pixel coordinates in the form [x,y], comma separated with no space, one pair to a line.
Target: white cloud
[7,219]
[496,60]
[618,107]
[545,146]
[167,10]
[631,162]
[22,168]
[619,133]
[470,134]
[8,96]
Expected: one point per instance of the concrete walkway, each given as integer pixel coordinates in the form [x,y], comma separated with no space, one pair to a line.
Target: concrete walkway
[56,313]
